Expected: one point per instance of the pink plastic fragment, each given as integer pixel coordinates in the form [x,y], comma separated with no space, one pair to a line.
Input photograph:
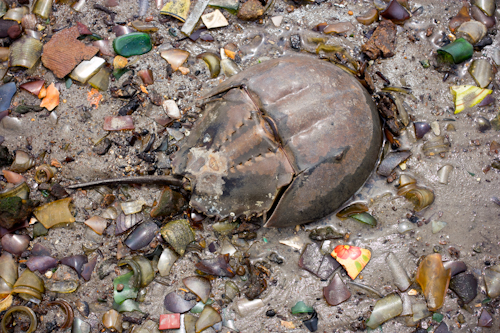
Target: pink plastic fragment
[170,321]
[118,123]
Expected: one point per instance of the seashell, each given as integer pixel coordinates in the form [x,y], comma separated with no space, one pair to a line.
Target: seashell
[13,178]
[175,57]
[177,304]
[22,162]
[126,222]
[96,223]
[472,31]
[178,234]
[41,263]
[75,262]
[391,161]
[352,258]
[482,72]
[370,16]
[420,197]
[395,12]
[15,244]
[218,266]
[141,236]
[421,128]
[199,286]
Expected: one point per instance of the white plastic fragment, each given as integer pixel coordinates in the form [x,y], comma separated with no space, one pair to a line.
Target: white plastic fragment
[277,20]
[214,19]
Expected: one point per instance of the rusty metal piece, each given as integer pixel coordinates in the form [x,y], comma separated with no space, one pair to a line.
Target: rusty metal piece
[294,130]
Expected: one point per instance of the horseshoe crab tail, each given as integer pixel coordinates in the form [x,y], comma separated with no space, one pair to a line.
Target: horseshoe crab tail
[156,180]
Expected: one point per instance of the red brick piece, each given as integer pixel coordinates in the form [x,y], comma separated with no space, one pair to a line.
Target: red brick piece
[170,321]
[64,51]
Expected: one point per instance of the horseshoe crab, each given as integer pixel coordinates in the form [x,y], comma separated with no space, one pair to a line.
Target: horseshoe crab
[290,139]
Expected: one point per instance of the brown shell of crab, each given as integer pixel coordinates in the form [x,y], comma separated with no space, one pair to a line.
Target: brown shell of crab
[291,139]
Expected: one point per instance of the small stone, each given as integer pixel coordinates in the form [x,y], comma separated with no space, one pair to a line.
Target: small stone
[465,286]
[119,287]
[102,147]
[171,109]
[14,31]
[250,10]
[382,42]
[64,51]
[270,313]
[295,42]
[135,43]
[461,318]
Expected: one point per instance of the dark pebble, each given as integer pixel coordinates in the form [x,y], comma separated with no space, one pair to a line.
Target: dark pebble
[102,147]
[270,313]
